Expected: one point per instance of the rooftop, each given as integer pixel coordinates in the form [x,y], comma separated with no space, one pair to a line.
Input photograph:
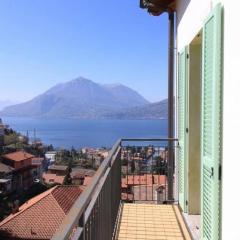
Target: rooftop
[5,168]
[146,179]
[58,167]
[40,217]
[52,178]
[77,172]
[18,156]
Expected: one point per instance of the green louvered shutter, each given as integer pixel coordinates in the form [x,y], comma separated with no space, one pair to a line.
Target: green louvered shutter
[211,125]
[182,74]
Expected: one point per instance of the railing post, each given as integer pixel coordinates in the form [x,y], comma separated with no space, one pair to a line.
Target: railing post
[170,103]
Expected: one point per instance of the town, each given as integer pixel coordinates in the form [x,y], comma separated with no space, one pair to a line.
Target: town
[34,177]
[30,168]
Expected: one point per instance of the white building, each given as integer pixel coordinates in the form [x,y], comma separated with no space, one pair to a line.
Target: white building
[208,114]
[208,37]
[50,156]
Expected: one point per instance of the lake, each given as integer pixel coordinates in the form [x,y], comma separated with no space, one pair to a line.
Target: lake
[87,133]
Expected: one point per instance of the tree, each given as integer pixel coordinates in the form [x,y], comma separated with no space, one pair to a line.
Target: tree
[132,165]
[68,179]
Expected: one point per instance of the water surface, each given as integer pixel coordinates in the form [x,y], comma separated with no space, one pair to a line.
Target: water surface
[87,133]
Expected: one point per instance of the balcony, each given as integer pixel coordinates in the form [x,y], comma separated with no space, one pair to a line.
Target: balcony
[133,195]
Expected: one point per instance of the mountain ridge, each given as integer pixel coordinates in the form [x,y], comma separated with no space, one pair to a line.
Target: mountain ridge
[156,110]
[78,98]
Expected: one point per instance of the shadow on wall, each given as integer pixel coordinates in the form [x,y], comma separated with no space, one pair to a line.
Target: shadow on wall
[181,8]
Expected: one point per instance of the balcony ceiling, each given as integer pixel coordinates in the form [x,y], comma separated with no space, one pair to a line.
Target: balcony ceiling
[157,7]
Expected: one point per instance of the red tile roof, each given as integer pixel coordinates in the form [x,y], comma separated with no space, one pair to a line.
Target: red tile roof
[66,196]
[41,216]
[146,179]
[18,156]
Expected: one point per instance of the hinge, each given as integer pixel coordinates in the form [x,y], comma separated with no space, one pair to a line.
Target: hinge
[186,202]
[187,56]
[186,130]
[212,172]
[220,172]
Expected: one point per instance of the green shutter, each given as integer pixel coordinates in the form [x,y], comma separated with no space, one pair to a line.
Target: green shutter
[211,125]
[182,79]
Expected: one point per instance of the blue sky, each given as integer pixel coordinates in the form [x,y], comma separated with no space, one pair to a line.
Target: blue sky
[47,42]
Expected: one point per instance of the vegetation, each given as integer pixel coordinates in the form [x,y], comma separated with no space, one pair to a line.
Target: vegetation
[73,158]
[6,202]
[161,166]
[10,137]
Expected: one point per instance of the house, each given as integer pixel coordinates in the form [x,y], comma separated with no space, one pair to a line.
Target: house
[142,187]
[50,156]
[97,155]
[58,169]
[40,165]
[205,60]
[206,39]
[6,173]
[55,174]
[41,216]
[82,176]
[21,162]
[205,35]
[2,128]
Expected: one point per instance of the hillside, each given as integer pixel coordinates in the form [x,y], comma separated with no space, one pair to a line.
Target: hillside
[158,110]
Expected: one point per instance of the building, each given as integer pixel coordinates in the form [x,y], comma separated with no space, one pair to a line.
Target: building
[143,187]
[6,174]
[203,183]
[2,127]
[206,60]
[82,176]
[55,174]
[207,34]
[40,165]
[21,162]
[50,156]
[203,42]
[41,216]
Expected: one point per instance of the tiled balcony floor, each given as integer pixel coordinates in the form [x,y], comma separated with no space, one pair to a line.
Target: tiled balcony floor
[151,221]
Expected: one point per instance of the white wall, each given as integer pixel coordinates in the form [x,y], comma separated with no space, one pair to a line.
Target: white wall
[231,120]
[190,18]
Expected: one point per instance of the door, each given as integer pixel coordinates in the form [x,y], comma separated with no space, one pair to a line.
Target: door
[182,128]
[211,125]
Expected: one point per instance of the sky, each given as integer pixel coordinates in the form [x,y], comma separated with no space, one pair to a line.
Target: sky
[45,42]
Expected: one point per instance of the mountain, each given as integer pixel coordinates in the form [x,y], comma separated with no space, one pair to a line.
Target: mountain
[125,95]
[158,110]
[5,103]
[79,98]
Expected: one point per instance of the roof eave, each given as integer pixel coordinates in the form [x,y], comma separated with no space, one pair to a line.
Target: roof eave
[157,7]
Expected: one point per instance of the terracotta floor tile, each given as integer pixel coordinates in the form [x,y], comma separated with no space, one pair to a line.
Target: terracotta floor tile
[150,222]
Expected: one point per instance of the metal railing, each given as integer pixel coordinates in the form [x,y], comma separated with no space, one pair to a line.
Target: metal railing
[147,175]
[94,214]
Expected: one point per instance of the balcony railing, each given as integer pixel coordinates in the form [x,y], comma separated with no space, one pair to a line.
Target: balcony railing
[136,170]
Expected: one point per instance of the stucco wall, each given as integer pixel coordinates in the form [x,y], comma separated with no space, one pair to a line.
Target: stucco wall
[231,121]
[190,18]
